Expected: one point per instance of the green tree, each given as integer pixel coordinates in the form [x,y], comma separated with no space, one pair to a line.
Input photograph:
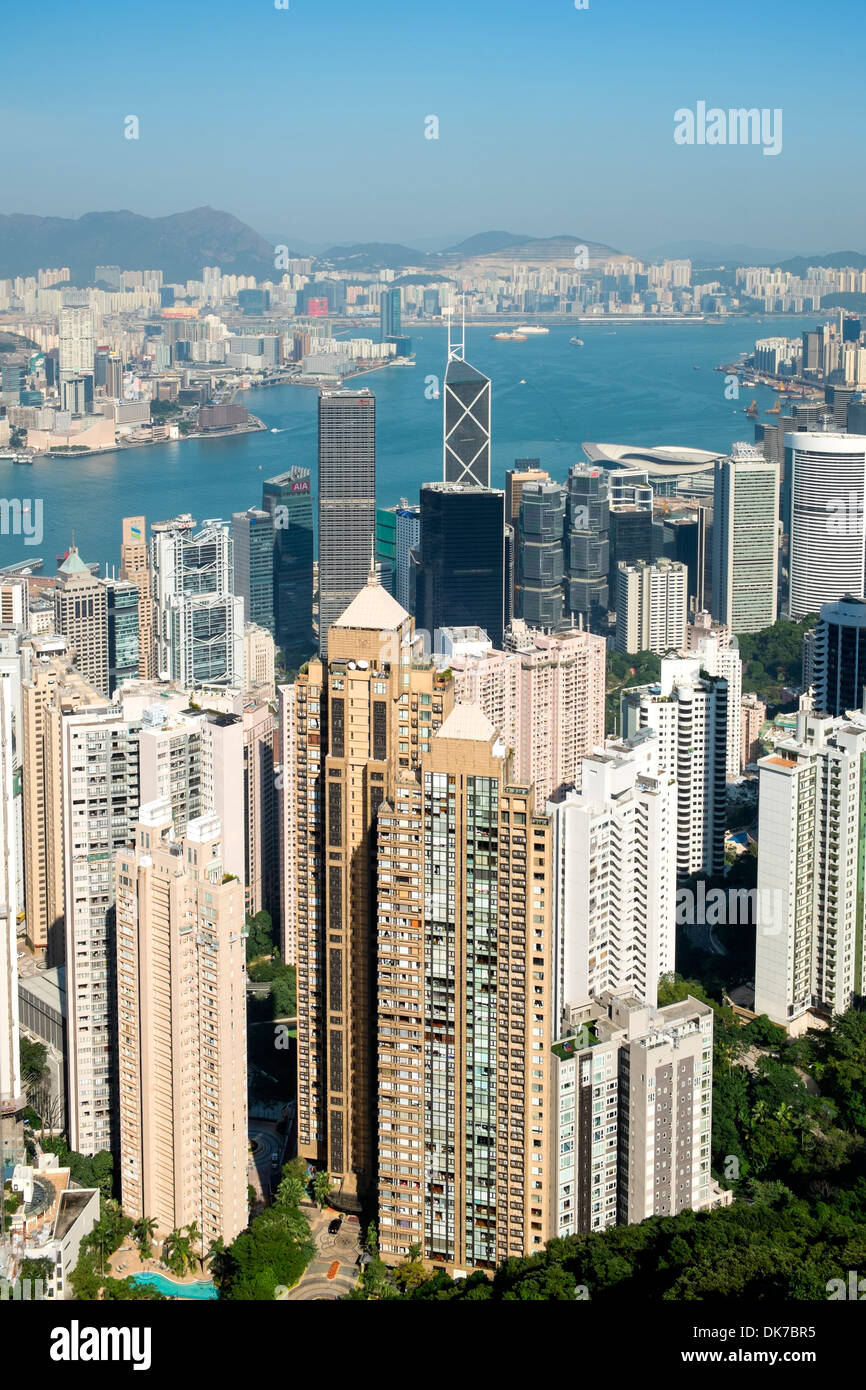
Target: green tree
[322,1188]
[143,1233]
[274,1250]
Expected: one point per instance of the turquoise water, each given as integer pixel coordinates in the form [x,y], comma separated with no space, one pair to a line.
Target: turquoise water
[203,1289]
[632,384]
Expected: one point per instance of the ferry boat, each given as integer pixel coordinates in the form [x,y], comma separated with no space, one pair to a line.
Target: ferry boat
[534,329]
[578,342]
[509,337]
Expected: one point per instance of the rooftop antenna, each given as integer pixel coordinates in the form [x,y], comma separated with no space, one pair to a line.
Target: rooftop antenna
[457,350]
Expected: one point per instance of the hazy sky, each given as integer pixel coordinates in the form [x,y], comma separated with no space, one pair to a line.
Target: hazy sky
[309,121]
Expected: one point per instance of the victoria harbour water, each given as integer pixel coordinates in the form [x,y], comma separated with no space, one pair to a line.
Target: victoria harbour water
[630,384]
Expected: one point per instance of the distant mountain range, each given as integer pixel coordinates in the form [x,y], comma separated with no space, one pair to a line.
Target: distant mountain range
[712,253]
[180,245]
[485,242]
[373,255]
[834,260]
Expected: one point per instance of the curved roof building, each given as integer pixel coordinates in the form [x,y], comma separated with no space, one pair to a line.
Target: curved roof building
[672,461]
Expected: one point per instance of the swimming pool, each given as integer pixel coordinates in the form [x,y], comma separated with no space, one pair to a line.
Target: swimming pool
[203,1288]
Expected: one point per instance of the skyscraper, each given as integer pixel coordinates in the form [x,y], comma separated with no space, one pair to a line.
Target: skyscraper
[135,568]
[77,346]
[840,656]
[390,312]
[123,631]
[181,1046]
[586,547]
[810,946]
[254,552]
[50,686]
[369,713]
[289,500]
[261,821]
[615,876]
[540,558]
[745,540]
[12,1100]
[287,781]
[828,519]
[546,699]
[719,655]
[408,534]
[460,559]
[81,614]
[199,619]
[459,1023]
[347,500]
[99,753]
[651,606]
[466,420]
[524,471]
[688,712]
[643,1076]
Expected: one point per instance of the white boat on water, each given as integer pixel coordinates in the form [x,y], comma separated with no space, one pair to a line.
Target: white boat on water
[534,329]
[578,342]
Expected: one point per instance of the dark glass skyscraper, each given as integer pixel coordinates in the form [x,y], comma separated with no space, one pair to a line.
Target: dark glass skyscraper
[540,554]
[390,313]
[289,499]
[460,561]
[586,545]
[253,534]
[347,500]
[467,425]
[840,656]
[123,645]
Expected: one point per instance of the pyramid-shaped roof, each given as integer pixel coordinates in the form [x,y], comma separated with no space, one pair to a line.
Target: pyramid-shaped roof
[373,608]
[73,564]
[467,721]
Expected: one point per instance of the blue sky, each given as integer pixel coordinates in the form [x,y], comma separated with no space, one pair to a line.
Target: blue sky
[309,122]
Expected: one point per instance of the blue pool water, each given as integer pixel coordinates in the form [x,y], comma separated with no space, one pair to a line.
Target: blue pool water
[202,1289]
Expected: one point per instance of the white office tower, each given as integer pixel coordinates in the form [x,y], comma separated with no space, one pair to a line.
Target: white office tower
[651,606]
[719,655]
[615,876]
[689,714]
[99,755]
[11,1099]
[828,523]
[632,1112]
[199,621]
[77,341]
[746,540]
[811,821]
